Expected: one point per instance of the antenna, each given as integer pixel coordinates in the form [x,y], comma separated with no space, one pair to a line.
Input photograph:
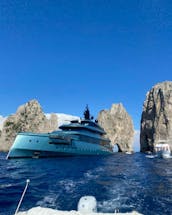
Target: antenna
[21,199]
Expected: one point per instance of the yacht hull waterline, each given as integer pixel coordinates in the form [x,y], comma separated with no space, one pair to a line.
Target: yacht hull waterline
[83,137]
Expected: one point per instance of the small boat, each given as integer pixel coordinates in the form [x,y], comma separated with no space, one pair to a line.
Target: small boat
[166,154]
[129,153]
[87,205]
[151,156]
[163,150]
[80,137]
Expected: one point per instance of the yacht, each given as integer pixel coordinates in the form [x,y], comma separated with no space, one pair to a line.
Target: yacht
[79,137]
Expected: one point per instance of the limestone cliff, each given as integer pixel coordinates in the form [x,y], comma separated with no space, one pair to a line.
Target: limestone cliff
[156,120]
[29,117]
[118,126]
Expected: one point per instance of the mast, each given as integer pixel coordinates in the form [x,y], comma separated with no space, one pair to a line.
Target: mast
[87,113]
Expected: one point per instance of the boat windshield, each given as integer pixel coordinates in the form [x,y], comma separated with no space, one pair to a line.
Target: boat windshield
[161,146]
[90,123]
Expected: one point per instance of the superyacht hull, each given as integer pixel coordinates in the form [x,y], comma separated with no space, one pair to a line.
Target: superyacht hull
[31,145]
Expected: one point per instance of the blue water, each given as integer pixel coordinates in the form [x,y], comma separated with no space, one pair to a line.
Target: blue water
[120,181]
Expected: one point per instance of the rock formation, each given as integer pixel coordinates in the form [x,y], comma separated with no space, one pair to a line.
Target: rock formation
[156,120]
[29,117]
[118,126]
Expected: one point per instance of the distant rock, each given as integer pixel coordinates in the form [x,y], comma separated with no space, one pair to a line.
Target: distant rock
[2,119]
[156,120]
[119,127]
[136,142]
[63,118]
[30,118]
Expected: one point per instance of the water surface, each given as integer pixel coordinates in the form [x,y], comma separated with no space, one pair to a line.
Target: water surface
[120,181]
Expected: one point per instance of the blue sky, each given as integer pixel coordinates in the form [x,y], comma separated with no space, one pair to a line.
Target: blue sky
[69,53]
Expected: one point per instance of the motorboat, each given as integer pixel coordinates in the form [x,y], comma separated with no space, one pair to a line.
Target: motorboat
[163,150]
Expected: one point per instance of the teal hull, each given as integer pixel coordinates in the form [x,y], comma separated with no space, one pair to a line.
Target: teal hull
[31,145]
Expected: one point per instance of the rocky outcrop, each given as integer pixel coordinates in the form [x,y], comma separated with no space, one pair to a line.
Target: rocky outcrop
[30,118]
[156,120]
[118,126]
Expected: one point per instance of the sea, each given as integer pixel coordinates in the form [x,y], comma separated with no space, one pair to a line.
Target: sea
[119,182]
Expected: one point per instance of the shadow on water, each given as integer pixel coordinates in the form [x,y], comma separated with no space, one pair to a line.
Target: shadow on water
[126,182]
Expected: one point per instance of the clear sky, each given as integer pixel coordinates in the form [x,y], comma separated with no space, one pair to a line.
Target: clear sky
[69,53]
